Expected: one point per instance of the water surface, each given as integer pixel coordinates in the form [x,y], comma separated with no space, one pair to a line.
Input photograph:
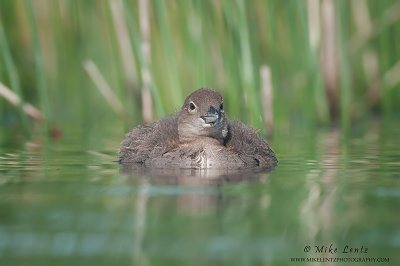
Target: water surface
[61,204]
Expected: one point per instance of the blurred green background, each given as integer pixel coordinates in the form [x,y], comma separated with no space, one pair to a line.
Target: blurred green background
[319,78]
[279,64]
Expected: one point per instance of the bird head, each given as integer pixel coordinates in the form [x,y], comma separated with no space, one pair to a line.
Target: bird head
[202,115]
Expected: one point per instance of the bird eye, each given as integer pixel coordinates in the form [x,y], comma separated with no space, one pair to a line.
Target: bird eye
[192,107]
[221,106]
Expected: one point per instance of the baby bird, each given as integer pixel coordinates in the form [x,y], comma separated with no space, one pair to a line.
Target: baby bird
[198,136]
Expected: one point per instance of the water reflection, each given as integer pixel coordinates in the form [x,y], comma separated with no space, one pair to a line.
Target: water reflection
[317,209]
[193,177]
[199,188]
[200,192]
[65,205]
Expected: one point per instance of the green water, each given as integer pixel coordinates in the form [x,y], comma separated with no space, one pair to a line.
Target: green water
[64,205]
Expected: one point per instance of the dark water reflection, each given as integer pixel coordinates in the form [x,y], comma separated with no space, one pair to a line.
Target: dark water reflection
[197,190]
[63,205]
[193,177]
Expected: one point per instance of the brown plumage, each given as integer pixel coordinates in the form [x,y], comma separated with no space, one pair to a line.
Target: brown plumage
[198,136]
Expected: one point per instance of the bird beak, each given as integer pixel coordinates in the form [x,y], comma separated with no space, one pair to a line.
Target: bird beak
[211,117]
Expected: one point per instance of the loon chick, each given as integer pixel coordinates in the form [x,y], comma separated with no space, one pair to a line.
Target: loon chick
[198,136]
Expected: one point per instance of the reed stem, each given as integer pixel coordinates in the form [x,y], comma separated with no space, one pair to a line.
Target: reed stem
[14,79]
[144,62]
[40,72]
[345,85]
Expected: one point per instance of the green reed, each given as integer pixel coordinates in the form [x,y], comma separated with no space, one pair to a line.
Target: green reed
[345,86]
[218,44]
[142,61]
[40,72]
[14,78]
[248,69]
[166,38]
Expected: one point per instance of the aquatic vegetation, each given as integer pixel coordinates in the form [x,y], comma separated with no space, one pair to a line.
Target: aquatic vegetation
[323,61]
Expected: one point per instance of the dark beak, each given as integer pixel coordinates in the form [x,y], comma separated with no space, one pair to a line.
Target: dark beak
[212,116]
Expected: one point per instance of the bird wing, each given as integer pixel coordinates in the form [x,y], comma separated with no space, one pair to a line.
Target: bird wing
[249,145]
[150,140]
